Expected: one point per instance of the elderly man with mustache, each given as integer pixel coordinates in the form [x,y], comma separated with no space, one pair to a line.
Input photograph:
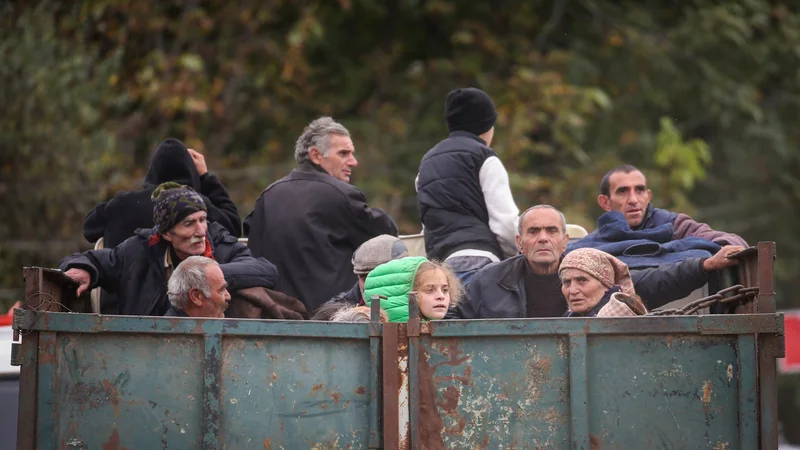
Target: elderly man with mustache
[138,269]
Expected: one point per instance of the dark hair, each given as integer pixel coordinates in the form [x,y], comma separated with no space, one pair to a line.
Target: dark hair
[605,188]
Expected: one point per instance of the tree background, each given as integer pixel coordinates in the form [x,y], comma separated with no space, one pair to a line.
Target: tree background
[702,95]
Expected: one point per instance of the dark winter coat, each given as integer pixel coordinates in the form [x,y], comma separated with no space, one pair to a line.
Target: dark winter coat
[643,247]
[118,219]
[309,224]
[134,270]
[498,290]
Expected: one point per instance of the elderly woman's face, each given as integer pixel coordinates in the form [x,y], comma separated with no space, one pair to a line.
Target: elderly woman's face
[581,290]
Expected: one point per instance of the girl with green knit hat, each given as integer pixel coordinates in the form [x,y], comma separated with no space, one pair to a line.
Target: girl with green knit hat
[436,286]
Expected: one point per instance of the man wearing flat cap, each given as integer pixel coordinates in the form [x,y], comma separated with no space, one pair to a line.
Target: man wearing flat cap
[138,269]
[464,197]
[369,255]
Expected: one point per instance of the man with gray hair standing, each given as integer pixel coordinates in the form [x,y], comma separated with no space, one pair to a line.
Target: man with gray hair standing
[310,222]
[197,288]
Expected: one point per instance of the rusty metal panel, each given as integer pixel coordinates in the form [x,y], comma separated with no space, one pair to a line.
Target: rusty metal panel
[669,391]
[684,382]
[287,392]
[125,391]
[144,382]
[494,392]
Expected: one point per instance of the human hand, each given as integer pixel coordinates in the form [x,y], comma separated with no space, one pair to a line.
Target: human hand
[722,259]
[81,277]
[199,161]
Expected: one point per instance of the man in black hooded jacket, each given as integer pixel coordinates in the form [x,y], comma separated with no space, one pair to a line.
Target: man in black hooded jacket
[118,219]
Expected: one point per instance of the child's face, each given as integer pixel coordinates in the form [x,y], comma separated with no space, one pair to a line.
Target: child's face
[434,294]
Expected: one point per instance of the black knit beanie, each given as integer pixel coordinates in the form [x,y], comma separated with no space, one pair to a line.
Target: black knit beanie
[469,109]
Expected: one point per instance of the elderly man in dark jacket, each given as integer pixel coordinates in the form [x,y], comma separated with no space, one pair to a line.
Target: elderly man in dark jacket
[117,219]
[310,222]
[137,270]
[528,285]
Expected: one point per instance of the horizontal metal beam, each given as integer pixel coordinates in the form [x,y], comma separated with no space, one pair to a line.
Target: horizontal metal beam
[709,324]
[96,323]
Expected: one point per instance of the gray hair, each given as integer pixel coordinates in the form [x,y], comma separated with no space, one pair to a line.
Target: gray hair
[317,134]
[354,314]
[190,274]
[522,216]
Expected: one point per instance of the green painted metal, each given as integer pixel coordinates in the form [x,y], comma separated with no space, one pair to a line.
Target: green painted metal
[683,382]
[47,407]
[622,383]
[131,382]
[578,391]
[212,366]
[748,391]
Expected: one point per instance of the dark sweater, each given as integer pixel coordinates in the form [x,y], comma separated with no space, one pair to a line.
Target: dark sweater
[543,295]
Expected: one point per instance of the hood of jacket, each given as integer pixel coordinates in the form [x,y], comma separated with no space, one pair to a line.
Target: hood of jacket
[394,279]
[172,162]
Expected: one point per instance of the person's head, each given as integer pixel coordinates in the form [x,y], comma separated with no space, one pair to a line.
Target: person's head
[356,314]
[587,274]
[542,237]
[327,144]
[326,311]
[198,287]
[374,252]
[171,161]
[437,288]
[471,110]
[179,214]
[624,189]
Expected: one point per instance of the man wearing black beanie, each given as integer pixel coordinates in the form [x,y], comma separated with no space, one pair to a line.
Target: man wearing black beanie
[465,202]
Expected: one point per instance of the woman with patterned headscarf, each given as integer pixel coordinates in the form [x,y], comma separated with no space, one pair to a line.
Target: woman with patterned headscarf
[597,284]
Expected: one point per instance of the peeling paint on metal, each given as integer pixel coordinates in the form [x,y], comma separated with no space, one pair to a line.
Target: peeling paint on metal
[707,389]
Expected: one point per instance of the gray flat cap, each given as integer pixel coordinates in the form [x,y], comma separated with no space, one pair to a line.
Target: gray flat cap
[376,251]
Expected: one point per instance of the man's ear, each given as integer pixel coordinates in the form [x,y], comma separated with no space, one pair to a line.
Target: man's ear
[315,155]
[196,297]
[167,236]
[649,196]
[604,202]
[519,243]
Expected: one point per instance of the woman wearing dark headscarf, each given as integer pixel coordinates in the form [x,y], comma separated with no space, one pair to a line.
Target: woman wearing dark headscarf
[597,284]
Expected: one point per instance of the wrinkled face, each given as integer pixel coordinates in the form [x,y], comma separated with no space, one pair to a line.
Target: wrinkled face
[629,195]
[434,294]
[188,237]
[543,239]
[340,160]
[581,290]
[216,304]
[362,278]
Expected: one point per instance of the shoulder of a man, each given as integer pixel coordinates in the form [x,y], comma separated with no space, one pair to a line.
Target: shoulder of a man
[220,236]
[661,216]
[459,144]
[322,181]
[497,271]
